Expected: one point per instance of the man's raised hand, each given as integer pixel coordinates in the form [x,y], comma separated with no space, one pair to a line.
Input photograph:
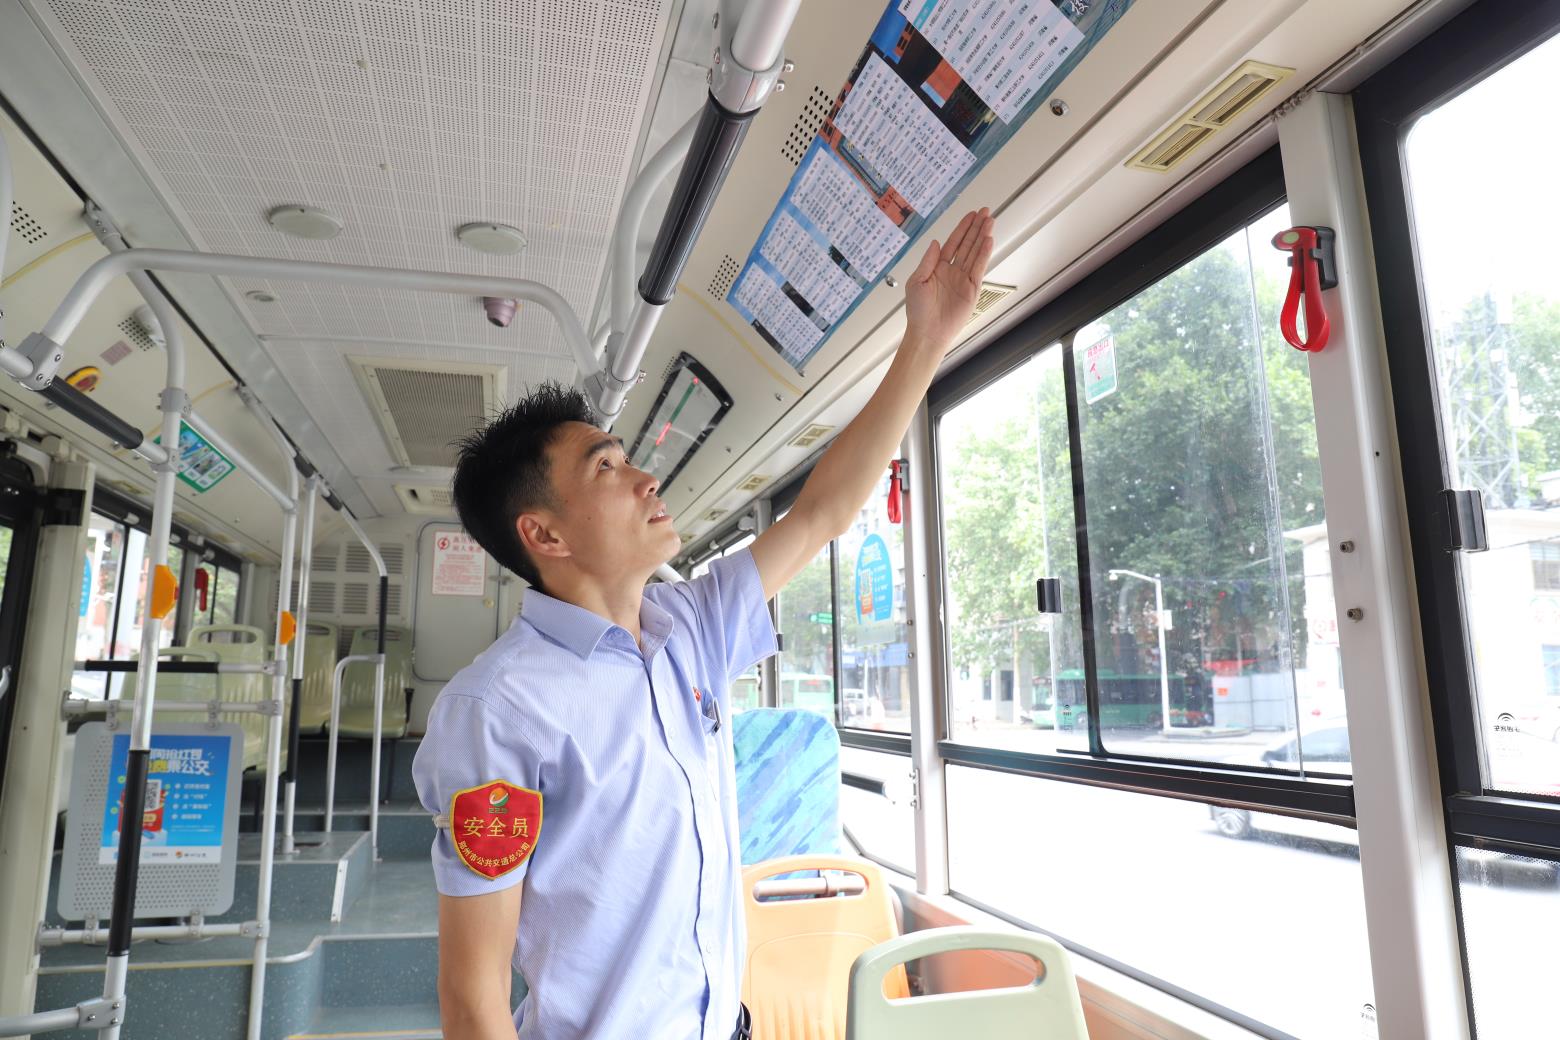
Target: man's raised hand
[941,294]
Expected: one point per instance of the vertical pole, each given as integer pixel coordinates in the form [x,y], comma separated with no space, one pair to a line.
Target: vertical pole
[379,718]
[126,867]
[928,689]
[330,761]
[273,762]
[304,569]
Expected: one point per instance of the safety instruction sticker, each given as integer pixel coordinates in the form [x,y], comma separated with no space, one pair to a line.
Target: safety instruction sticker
[941,86]
[1099,370]
[459,565]
[186,792]
[494,827]
[201,466]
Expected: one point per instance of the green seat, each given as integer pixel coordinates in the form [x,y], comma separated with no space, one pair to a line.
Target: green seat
[1047,1008]
[229,644]
[319,661]
[357,685]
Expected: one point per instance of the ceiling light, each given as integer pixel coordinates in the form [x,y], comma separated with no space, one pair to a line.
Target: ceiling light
[304,222]
[259,296]
[493,239]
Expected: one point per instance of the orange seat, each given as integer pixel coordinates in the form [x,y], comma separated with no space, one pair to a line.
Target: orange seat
[800,950]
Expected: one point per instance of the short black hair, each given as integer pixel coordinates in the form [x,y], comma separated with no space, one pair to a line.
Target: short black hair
[501,471]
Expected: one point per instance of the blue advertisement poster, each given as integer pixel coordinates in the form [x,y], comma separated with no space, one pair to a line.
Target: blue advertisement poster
[186,798]
[874,581]
[941,86]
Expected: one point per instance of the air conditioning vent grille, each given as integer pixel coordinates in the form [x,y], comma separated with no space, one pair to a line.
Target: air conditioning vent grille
[713,515]
[1232,97]
[991,294]
[810,436]
[424,410]
[753,483]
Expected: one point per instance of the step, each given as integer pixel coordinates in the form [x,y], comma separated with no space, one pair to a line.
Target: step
[405,829]
[384,949]
[387,1022]
[319,882]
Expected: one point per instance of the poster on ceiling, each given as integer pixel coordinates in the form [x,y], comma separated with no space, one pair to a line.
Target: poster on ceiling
[941,86]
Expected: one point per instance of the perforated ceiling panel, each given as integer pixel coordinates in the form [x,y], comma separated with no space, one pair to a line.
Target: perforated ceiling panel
[405,120]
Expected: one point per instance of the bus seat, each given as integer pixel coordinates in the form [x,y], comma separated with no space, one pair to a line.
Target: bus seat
[788,783]
[233,644]
[1048,1008]
[319,661]
[800,950]
[357,685]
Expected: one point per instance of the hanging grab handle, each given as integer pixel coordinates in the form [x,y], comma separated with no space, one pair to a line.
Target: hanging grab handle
[1312,268]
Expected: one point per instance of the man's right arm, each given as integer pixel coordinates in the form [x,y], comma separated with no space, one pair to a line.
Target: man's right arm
[476,941]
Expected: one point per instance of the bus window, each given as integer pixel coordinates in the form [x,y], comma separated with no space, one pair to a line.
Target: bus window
[103,566]
[1158,884]
[1491,302]
[1007,510]
[805,613]
[1214,624]
[874,640]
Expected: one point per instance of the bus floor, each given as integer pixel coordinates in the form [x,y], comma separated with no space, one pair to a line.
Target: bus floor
[370,974]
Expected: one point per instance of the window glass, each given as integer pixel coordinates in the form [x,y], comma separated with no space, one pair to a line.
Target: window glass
[1491,284]
[882,823]
[100,579]
[1511,951]
[223,597]
[1007,512]
[874,640]
[805,609]
[1215,631]
[1229,905]
[745,687]
[5,555]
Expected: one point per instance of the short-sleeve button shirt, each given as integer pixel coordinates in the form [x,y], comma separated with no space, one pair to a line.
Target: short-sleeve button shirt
[631,922]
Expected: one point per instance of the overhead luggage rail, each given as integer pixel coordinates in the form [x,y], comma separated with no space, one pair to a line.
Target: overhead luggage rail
[41,352]
[748,64]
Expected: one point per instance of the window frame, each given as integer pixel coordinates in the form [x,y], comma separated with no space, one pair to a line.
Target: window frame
[1242,197]
[1468,49]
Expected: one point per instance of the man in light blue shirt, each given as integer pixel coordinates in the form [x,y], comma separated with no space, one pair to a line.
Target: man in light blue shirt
[581,767]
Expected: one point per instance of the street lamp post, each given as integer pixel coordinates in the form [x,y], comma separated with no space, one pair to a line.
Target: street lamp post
[1159,623]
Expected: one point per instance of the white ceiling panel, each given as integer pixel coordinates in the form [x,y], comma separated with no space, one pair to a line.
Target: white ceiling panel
[404,119]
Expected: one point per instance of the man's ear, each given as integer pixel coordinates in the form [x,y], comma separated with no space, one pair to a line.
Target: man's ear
[539,537]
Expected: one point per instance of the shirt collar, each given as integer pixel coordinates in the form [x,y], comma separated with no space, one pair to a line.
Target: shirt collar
[581,630]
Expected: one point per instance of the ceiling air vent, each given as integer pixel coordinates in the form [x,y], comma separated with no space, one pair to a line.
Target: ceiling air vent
[1212,112]
[807,124]
[991,294]
[426,498]
[136,333]
[24,225]
[725,274]
[810,436]
[754,482]
[423,409]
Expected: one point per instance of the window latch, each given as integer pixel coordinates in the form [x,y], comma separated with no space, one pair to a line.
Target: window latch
[1048,595]
[1465,520]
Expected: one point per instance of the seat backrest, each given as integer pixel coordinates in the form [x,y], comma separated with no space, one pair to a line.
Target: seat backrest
[195,687]
[319,661]
[357,685]
[788,783]
[800,950]
[1047,1008]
